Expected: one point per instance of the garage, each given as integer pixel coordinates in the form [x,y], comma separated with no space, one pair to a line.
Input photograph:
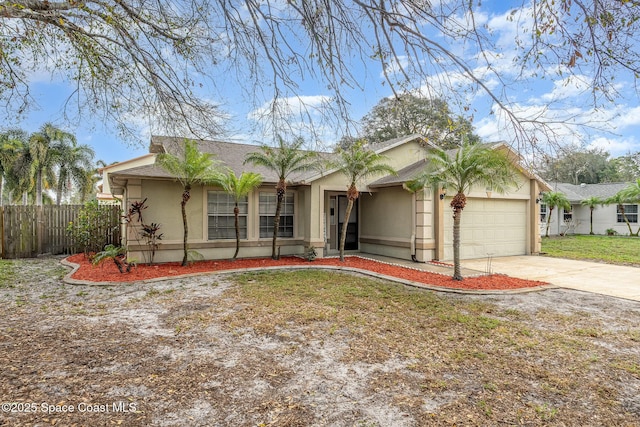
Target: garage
[496,227]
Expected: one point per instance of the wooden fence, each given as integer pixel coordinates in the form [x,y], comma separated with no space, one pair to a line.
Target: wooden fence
[29,231]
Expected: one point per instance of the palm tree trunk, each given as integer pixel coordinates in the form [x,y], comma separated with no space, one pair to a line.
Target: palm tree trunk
[59,193]
[457,273]
[591,221]
[343,232]
[39,188]
[626,220]
[458,203]
[185,198]
[546,234]
[276,223]
[236,212]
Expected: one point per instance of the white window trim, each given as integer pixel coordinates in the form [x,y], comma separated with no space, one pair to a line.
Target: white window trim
[626,207]
[294,234]
[207,215]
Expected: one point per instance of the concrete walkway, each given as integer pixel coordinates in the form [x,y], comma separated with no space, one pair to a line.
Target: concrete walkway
[606,279]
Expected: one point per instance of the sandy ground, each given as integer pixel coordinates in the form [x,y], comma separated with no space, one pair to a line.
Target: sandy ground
[166,354]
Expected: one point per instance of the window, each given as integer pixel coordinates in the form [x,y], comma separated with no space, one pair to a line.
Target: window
[567,215]
[221,218]
[268,212]
[630,211]
[543,212]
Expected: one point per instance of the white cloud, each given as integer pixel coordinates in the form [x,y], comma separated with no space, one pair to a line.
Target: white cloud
[290,107]
[628,117]
[395,66]
[305,116]
[617,146]
[568,87]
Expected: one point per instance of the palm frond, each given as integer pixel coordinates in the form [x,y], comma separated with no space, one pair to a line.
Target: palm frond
[191,166]
[470,165]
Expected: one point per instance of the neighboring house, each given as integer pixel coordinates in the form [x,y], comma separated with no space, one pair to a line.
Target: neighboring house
[577,220]
[386,219]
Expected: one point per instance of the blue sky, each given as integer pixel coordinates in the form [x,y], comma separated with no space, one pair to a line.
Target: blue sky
[618,133]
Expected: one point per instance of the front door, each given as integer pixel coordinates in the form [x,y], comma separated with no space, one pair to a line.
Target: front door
[351,242]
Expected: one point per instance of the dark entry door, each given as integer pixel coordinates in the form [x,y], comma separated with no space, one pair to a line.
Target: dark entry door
[351,242]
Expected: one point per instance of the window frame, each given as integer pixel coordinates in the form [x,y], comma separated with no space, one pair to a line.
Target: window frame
[228,215]
[632,217]
[544,212]
[287,229]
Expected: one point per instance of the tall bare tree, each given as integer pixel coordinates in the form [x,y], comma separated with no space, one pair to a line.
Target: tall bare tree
[150,56]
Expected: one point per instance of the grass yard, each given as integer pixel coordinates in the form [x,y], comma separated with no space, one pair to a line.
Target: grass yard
[6,272]
[311,347]
[610,249]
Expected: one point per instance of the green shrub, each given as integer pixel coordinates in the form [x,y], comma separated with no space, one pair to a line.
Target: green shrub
[83,229]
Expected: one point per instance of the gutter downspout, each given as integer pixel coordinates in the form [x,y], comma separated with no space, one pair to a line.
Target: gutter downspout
[414,225]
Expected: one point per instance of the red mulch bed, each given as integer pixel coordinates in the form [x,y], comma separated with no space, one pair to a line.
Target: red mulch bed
[108,272]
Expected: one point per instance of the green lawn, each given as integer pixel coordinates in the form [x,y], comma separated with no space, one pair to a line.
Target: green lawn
[6,272]
[609,249]
[312,347]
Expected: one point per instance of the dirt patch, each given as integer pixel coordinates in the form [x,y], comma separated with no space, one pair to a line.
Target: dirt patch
[108,272]
[309,348]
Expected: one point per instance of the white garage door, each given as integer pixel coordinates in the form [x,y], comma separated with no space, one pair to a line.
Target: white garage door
[489,226]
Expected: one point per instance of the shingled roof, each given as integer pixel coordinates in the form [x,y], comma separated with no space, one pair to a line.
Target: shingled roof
[231,154]
[577,193]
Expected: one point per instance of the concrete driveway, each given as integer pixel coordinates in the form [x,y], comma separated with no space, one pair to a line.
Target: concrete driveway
[606,279]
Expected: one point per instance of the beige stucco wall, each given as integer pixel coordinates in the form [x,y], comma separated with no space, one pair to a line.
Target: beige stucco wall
[316,196]
[163,201]
[387,214]
[520,190]
[404,155]
[387,222]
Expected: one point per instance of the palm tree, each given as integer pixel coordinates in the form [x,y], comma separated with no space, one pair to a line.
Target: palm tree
[554,199]
[460,170]
[44,147]
[620,199]
[632,191]
[74,164]
[632,194]
[12,142]
[592,202]
[88,185]
[284,160]
[190,168]
[19,176]
[357,162]
[238,188]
